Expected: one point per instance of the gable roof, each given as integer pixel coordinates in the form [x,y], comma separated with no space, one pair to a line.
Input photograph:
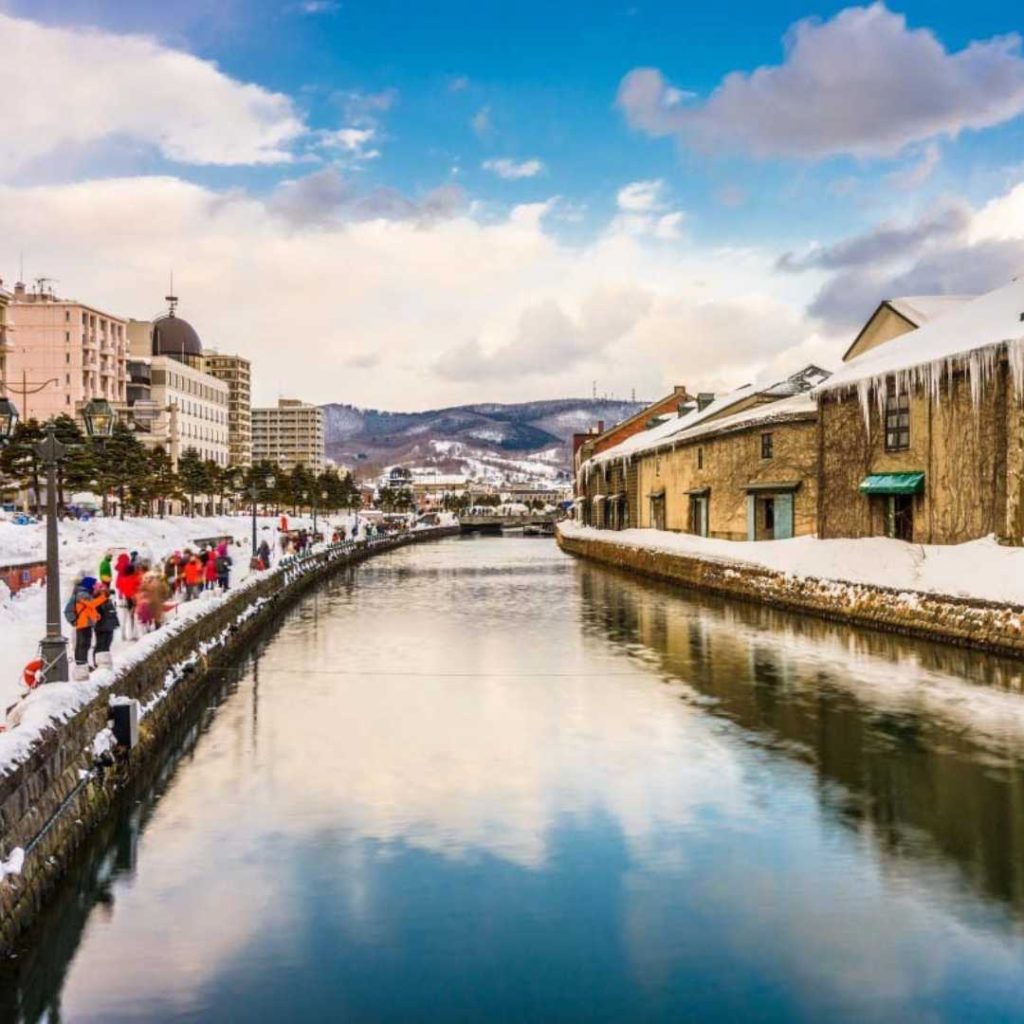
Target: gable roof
[984,322]
[915,310]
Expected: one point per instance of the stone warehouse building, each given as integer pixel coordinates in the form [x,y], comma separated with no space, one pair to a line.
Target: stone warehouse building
[918,436]
[922,436]
[742,465]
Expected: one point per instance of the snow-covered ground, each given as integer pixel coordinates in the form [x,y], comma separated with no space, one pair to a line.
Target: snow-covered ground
[980,569]
[82,545]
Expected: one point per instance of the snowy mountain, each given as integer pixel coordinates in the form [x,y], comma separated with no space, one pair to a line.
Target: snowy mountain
[528,438]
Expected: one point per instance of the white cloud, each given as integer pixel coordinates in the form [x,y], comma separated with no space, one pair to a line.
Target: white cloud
[356,144]
[862,83]
[75,87]
[512,170]
[342,275]
[643,211]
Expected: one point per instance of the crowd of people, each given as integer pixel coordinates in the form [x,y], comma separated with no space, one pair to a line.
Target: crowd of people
[134,594]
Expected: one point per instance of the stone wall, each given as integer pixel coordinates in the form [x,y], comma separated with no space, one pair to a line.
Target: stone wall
[983,625]
[728,463]
[54,798]
[969,452]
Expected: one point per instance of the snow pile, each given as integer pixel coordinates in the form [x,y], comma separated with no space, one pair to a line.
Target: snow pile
[82,545]
[13,864]
[980,569]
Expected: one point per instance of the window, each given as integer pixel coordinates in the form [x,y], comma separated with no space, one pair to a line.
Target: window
[769,512]
[897,423]
[700,458]
[67,357]
[767,446]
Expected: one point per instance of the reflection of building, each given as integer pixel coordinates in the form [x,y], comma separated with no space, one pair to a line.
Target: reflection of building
[289,434]
[237,374]
[188,408]
[80,348]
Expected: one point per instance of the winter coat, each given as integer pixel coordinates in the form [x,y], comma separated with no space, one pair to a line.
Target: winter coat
[154,591]
[210,569]
[108,616]
[83,609]
[222,565]
[106,574]
[193,572]
[128,583]
[123,561]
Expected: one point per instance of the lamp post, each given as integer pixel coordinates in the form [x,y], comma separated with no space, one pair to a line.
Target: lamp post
[98,416]
[268,483]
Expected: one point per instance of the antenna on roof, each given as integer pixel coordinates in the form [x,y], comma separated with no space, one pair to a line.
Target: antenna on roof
[21,265]
[172,299]
[593,391]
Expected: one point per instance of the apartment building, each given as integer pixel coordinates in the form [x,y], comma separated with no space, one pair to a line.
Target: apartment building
[236,372]
[187,407]
[5,300]
[289,434]
[61,353]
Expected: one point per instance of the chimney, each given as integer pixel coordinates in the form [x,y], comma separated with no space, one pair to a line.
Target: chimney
[679,391]
[600,426]
[704,399]
[19,290]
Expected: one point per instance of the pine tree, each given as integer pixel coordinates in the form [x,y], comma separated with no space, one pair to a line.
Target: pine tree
[77,471]
[18,459]
[165,483]
[121,465]
[193,476]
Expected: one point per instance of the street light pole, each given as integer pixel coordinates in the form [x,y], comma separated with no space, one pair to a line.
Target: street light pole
[53,647]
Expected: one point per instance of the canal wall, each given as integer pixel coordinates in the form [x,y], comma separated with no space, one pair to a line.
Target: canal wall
[65,784]
[983,625]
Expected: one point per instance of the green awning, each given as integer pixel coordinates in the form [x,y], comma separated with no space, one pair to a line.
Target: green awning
[892,483]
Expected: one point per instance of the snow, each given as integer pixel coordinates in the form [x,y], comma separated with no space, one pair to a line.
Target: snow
[980,569]
[968,337]
[920,309]
[82,545]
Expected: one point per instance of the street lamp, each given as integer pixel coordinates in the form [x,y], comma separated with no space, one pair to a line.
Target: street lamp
[51,453]
[268,483]
[99,418]
[317,497]
[8,419]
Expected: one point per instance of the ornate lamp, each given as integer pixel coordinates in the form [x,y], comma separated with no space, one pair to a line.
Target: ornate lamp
[99,417]
[8,419]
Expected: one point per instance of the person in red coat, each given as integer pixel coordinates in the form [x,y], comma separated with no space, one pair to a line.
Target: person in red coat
[128,580]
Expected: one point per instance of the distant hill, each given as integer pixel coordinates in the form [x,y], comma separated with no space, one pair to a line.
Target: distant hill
[525,431]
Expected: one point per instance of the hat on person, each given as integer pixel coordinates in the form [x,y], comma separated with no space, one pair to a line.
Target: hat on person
[88,582]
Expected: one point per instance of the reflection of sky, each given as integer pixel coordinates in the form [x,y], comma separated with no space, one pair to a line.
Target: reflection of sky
[491,813]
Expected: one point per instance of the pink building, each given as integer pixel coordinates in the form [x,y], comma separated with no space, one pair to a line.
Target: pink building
[80,351]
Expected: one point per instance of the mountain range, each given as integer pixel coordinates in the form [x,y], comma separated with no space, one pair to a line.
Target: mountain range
[528,438]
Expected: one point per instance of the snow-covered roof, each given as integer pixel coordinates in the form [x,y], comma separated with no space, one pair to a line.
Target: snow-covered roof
[667,433]
[796,407]
[981,323]
[921,309]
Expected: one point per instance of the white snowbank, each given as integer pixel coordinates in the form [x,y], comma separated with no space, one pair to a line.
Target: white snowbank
[981,569]
[82,545]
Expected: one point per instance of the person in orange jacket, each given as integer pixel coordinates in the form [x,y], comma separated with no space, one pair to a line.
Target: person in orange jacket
[193,574]
[83,612]
[128,580]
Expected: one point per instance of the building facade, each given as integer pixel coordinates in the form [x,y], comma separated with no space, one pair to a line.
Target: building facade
[75,351]
[187,407]
[922,436]
[236,372]
[5,300]
[289,434]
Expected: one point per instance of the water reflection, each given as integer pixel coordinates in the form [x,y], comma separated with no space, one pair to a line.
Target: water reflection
[482,780]
[917,745]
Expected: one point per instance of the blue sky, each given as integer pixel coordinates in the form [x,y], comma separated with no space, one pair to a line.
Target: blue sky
[838,122]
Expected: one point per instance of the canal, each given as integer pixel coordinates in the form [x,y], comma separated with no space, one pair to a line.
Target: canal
[479,780]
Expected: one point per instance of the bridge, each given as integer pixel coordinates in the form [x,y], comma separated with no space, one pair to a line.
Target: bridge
[543,522]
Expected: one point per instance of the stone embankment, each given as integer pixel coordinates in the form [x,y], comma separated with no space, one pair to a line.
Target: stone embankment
[984,625]
[65,785]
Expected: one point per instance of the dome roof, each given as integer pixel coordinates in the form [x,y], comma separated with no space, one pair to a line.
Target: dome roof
[173,336]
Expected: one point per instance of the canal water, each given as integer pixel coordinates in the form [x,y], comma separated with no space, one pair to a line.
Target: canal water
[479,780]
